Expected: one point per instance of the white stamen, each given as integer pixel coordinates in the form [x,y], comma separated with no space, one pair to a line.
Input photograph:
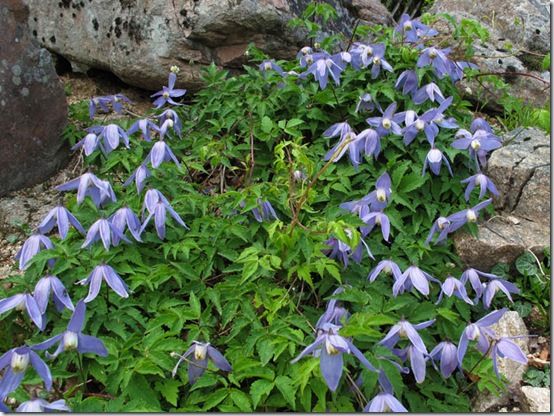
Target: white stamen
[386,123]
[70,340]
[19,362]
[419,124]
[475,144]
[471,215]
[200,351]
[381,195]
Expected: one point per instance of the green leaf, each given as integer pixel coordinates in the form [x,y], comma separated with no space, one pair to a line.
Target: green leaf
[194,305]
[267,124]
[169,390]
[284,385]
[411,182]
[214,399]
[260,388]
[241,400]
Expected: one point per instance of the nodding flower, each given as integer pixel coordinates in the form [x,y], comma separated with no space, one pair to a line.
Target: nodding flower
[197,356]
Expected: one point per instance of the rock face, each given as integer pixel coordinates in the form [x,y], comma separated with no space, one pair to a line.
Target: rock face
[509,325]
[525,22]
[32,102]
[518,31]
[521,172]
[139,40]
[536,399]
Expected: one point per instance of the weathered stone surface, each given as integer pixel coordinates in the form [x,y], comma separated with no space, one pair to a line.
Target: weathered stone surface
[32,102]
[521,172]
[525,23]
[536,399]
[139,40]
[509,325]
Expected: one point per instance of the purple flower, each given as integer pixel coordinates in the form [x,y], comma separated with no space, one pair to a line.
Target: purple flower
[404,329]
[170,119]
[51,284]
[23,301]
[407,81]
[264,211]
[415,124]
[479,143]
[365,103]
[103,230]
[158,206]
[342,251]
[41,405]
[493,286]
[139,176]
[413,29]
[430,92]
[32,246]
[371,142]
[376,218]
[379,62]
[437,58]
[446,353]
[434,160]
[413,276]
[349,142]
[125,218]
[473,276]
[417,360]
[145,126]
[88,184]
[480,332]
[324,67]
[506,348]
[15,363]
[480,124]
[376,200]
[62,218]
[199,354]
[441,226]
[161,153]
[94,280]
[467,215]
[109,137]
[387,266]
[388,123]
[270,65]
[454,287]
[90,143]
[101,103]
[73,338]
[384,403]
[167,94]
[333,314]
[330,346]
[484,183]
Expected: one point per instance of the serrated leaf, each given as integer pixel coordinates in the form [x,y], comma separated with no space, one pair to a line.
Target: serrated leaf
[258,389]
[284,385]
[241,400]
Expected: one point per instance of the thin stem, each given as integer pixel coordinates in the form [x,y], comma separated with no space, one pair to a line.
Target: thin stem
[107,298]
[304,196]
[485,355]
[81,371]
[353,34]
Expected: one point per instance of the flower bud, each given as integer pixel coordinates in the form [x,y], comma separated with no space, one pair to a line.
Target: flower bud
[19,362]
[70,340]
[317,45]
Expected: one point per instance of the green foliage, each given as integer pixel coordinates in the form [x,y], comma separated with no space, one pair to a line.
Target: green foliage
[537,378]
[255,290]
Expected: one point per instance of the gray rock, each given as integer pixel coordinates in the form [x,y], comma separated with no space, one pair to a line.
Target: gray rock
[521,172]
[32,102]
[526,23]
[509,325]
[536,399]
[140,40]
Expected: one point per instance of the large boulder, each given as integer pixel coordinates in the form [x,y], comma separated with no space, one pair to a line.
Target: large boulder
[521,172]
[519,36]
[140,40]
[526,23]
[536,399]
[32,102]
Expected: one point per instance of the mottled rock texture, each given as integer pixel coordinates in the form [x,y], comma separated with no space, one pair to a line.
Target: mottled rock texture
[521,171]
[139,40]
[536,399]
[518,31]
[32,103]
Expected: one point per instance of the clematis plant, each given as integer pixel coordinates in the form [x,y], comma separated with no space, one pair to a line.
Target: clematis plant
[100,273]
[32,246]
[62,219]
[15,363]
[23,301]
[41,405]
